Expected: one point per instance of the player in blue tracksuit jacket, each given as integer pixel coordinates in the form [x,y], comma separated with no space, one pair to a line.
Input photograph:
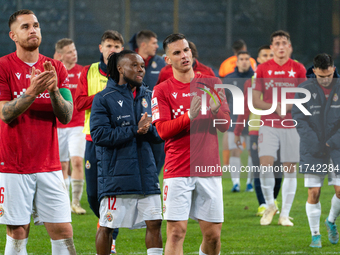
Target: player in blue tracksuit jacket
[320,142]
[128,185]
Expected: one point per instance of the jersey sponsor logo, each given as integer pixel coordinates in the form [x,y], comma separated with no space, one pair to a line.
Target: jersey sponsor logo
[41,95]
[120,102]
[279,72]
[272,84]
[174,94]
[335,97]
[291,73]
[314,95]
[144,103]
[72,86]
[270,72]
[189,94]
[18,75]
[179,112]
[70,75]
[44,95]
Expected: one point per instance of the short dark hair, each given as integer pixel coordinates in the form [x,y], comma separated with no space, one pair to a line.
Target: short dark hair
[279,33]
[263,47]
[242,52]
[113,60]
[238,45]
[14,16]
[144,36]
[193,49]
[62,43]
[113,35]
[172,38]
[323,61]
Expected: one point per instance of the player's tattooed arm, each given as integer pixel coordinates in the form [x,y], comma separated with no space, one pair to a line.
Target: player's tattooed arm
[10,110]
[62,108]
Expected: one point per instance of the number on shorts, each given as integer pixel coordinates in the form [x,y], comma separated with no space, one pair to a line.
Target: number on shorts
[2,197]
[112,207]
[165,192]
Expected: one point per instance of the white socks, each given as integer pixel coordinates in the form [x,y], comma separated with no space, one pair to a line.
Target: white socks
[15,247]
[267,180]
[313,213]
[154,251]
[202,253]
[335,209]
[63,247]
[250,173]
[288,193]
[235,167]
[77,190]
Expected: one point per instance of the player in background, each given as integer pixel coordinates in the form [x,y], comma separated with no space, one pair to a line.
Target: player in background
[121,129]
[71,138]
[228,65]
[198,67]
[34,92]
[263,55]
[179,124]
[281,71]
[242,72]
[93,80]
[319,139]
[145,43]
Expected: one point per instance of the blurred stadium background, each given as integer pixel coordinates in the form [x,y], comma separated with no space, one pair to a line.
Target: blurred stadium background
[212,25]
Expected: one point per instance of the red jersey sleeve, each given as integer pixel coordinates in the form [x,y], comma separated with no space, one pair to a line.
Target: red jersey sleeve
[82,100]
[170,128]
[159,105]
[5,92]
[63,81]
[258,83]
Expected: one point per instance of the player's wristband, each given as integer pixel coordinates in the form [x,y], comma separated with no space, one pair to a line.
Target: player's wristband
[66,94]
[190,117]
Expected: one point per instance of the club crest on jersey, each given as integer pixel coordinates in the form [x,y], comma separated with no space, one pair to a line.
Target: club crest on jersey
[144,103]
[2,211]
[154,64]
[88,164]
[254,146]
[109,217]
[335,97]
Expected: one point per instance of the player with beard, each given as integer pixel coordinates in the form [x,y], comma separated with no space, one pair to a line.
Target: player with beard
[34,92]
[128,186]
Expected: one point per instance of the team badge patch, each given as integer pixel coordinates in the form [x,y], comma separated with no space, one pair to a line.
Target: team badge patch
[164,208]
[2,212]
[109,217]
[88,164]
[144,103]
[154,64]
[254,146]
[335,97]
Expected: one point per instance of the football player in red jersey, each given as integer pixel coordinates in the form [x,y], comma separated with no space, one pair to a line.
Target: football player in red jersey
[34,92]
[175,112]
[70,136]
[281,71]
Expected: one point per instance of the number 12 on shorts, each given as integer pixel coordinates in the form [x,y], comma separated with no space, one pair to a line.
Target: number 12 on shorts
[112,203]
[2,196]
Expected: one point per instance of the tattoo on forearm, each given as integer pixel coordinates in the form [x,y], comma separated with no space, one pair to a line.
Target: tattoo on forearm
[62,109]
[12,109]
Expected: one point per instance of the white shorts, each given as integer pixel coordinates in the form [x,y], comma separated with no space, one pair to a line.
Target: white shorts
[231,141]
[316,180]
[41,194]
[200,198]
[129,211]
[71,143]
[286,139]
